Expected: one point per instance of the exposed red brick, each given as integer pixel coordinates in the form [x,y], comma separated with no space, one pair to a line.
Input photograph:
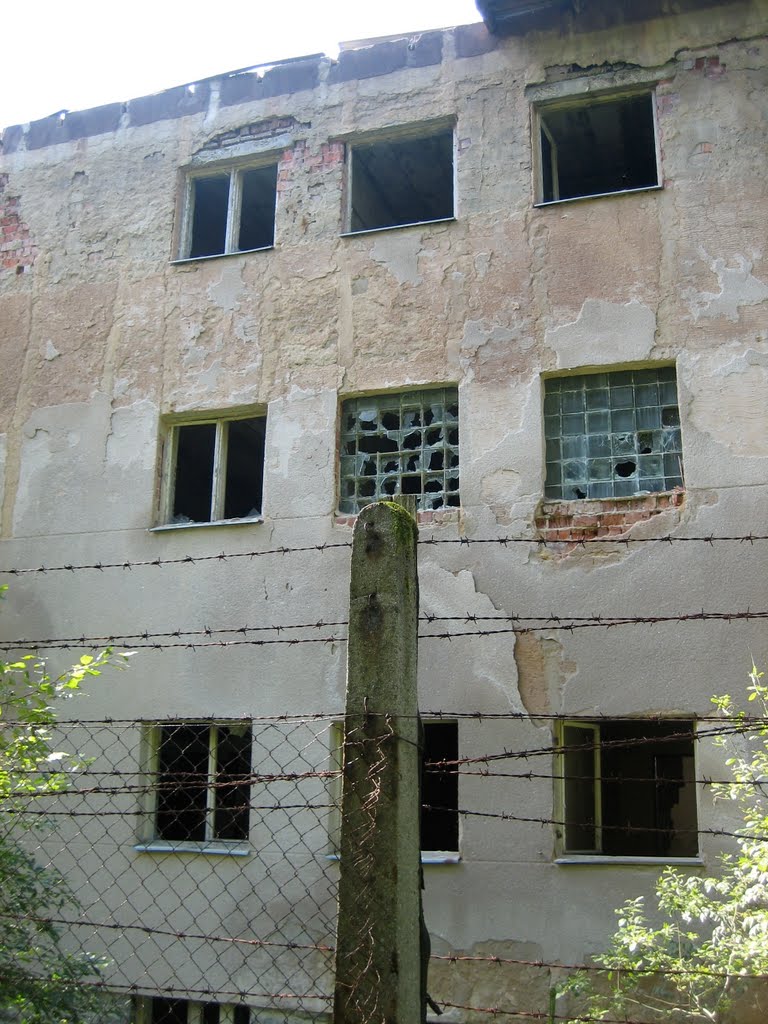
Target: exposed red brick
[17,246]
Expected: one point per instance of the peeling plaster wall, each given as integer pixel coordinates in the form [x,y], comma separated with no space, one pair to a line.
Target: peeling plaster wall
[102,336]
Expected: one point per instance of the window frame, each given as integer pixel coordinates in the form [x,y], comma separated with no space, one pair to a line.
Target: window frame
[235,172]
[402,133]
[539,109]
[151,743]
[219,469]
[564,855]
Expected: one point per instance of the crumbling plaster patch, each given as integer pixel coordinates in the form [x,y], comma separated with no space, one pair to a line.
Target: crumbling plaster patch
[480,340]
[399,254]
[493,684]
[738,287]
[542,671]
[227,293]
[604,332]
[728,400]
[71,480]
[3,455]
[300,446]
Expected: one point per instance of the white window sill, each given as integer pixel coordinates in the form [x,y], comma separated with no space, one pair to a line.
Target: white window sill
[427,857]
[599,195]
[219,255]
[162,527]
[397,227]
[440,857]
[225,848]
[603,860]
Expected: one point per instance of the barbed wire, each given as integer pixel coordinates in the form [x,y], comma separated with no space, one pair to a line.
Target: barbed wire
[598,968]
[551,621]
[159,641]
[741,723]
[82,922]
[544,1015]
[158,562]
[452,958]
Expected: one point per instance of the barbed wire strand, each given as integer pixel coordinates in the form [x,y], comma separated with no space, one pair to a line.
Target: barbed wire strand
[127,564]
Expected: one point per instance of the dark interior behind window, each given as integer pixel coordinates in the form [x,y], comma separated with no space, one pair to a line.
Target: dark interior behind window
[440,787]
[193,485]
[209,215]
[402,181]
[592,148]
[257,208]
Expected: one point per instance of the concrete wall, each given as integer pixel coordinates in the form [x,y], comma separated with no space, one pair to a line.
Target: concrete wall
[102,336]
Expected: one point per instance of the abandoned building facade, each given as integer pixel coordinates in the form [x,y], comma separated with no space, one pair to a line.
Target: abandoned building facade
[517,269]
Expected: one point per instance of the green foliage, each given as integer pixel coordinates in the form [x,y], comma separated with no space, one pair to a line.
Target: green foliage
[41,981]
[714,930]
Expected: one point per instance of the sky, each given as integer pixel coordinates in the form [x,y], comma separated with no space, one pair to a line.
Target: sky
[61,55]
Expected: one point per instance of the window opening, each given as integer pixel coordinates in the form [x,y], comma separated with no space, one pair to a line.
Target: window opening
[628,788]
[612,434]
[183,1011]
[440,787]
[232,211]
[219,470]
[591,148]
[400,444]
[401,181]
[169,1011]
[202,782]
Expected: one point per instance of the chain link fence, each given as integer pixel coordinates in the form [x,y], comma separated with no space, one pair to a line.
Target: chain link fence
[208,890]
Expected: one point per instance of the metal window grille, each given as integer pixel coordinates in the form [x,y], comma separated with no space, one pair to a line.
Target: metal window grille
[612,434]
[400,444]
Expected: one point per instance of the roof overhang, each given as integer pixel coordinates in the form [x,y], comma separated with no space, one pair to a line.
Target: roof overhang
[516,17]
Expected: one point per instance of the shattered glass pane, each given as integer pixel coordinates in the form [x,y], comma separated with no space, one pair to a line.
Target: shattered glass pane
[387,450]
[612,434]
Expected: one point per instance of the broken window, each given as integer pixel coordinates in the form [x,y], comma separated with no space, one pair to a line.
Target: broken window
[230,210]
[159,1010]
[400,444]
[439,821]
[628,788]
[201,782]
[398,181]
[216,470]
[440,787]
[594,147]
[612,434]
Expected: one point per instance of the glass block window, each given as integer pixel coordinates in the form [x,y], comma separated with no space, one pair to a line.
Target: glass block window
[612,434]
[400,444]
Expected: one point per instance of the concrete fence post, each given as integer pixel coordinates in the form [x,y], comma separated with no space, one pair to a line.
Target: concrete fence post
[378,961]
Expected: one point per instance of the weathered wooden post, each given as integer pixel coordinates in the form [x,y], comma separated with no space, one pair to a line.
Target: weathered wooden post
[378,962]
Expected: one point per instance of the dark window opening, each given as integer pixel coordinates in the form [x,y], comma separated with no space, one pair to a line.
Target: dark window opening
[386,449]
[194,472]
[219,470]
[202,782]
[629,788]
[257,208]
[209,217]
[176,1011]
[169,1011]
[401,181]
[592,148]
[440,787]
[233,211]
